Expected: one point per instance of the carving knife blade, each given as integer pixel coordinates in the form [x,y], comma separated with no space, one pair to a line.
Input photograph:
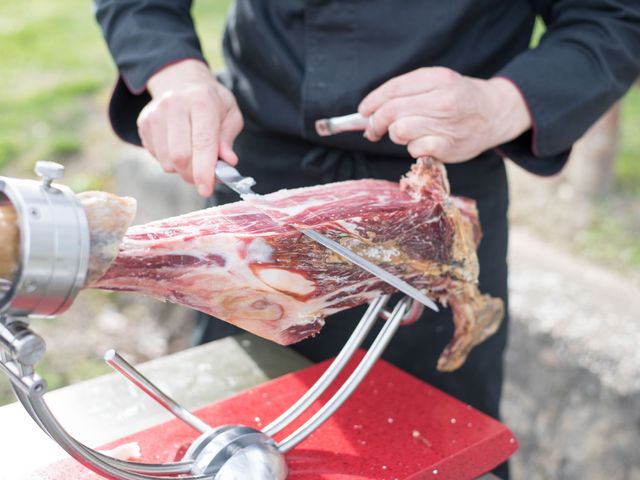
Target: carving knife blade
[229,176]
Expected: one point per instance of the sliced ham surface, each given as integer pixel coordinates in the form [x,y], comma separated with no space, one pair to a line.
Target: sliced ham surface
[246,262]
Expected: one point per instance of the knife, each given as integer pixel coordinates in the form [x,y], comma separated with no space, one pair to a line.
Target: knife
[229,176]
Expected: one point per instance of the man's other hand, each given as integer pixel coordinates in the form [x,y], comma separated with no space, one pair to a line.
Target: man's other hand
[439,113]
[191,121]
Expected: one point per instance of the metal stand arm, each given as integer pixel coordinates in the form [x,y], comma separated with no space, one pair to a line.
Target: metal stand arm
[106,466]
[127,370]
[332,372]
[347,388]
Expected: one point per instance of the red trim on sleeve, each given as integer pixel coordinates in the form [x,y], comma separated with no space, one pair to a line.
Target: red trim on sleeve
[501,152]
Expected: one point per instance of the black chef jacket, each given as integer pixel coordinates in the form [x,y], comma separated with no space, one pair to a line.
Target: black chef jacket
[289,62]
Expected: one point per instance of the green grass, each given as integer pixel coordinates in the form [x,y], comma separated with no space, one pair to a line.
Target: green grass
[538,31]
[56,72]
[44,124]
[628,164]
[53,66]
[611,240]
[60,375]
[210,17]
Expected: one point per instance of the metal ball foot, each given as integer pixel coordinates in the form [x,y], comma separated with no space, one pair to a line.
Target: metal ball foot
[236,452]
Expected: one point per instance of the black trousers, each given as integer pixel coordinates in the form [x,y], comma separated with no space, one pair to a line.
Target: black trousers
[278,163]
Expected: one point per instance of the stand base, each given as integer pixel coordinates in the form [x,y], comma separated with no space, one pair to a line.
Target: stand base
[393,427]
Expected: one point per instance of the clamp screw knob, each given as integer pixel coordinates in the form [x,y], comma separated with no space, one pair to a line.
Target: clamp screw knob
[49,171]
[21,343]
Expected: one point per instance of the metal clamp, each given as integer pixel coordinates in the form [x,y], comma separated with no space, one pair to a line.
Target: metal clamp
[49,171]
[54,244]
[20,343]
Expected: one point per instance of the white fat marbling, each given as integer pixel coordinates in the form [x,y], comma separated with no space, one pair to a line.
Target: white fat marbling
[286,281]
[259,251]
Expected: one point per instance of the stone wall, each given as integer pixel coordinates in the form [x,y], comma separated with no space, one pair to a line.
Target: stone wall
[572,394]
[591,168]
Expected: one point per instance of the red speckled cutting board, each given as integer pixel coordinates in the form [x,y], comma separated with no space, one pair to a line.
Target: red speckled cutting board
[393,427]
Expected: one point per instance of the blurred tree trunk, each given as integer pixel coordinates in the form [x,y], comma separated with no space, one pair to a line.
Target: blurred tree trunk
[591,167]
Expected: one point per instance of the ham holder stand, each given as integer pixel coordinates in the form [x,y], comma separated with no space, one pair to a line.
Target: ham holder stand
[53,262]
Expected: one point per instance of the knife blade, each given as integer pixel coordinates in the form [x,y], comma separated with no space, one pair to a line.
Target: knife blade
[229,176]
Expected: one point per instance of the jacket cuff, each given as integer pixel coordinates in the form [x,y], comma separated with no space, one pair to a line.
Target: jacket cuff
[520,151]
[524,150]
[124,108]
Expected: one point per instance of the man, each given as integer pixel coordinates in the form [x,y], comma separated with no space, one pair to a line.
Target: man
[453,80]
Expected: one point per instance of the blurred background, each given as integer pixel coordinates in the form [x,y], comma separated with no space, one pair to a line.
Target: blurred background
[56,77]
[572,393]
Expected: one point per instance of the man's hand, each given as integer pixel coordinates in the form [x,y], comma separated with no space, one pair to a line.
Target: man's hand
[439,113]
[190,123]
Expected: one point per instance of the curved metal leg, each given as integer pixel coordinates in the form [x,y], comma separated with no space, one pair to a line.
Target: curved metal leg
[378,346]
[331,373]
[95,461]
[124,368]
[172,468]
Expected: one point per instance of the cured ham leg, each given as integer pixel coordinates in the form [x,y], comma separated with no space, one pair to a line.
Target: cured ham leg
[246,263]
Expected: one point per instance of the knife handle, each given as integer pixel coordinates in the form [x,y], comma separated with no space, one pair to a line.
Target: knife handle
[347,123]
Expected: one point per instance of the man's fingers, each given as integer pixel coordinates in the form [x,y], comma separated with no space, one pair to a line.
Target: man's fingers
[189,128]
[152,129]
[394,88]
[178,131]
[158,131]
[227,154]
[407,129]
[229,130]
[147,143]
[205,125]
[395,109]
[416,82]
[144,130]
[429,146]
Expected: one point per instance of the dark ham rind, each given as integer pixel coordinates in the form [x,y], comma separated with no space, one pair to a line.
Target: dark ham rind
[246,263]
[108,217]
